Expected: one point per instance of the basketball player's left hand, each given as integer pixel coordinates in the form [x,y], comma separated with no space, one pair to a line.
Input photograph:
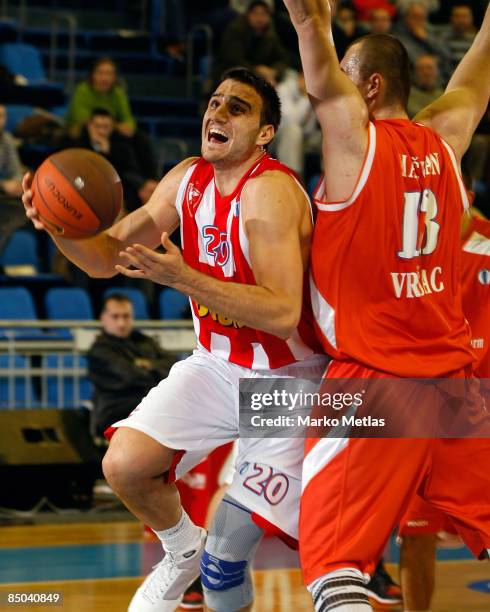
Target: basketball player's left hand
[163,268]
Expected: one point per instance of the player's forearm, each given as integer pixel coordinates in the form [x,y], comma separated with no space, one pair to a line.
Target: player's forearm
[96,256]
[250,305]
[318,56]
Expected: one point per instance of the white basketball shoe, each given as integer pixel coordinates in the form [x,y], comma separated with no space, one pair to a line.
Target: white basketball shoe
[163,588]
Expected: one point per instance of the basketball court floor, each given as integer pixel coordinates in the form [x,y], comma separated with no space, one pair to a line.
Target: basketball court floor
[97,566]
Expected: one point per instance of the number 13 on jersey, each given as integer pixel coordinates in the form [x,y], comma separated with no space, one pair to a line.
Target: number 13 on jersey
[419,206]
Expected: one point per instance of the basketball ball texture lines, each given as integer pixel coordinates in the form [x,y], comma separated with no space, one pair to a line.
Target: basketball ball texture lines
[77,193]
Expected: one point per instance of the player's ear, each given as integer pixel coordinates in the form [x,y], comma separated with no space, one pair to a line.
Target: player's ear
[374,85]
[266,134]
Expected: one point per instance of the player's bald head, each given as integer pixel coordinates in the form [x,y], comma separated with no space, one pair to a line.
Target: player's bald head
[385,55]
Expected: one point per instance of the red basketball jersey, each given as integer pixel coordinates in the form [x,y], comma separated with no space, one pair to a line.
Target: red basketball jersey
[386,264]
[215,243]
[476,292]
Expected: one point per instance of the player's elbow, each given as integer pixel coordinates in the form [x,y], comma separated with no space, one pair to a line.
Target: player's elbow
[101,271]
[286,323]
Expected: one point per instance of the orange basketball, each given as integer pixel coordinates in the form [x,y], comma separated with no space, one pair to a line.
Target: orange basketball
[77,193]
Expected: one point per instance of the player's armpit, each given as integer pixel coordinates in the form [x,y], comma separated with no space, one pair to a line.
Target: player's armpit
[454,116]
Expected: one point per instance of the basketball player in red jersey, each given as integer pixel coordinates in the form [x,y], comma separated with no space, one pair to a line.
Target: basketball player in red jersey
[246,225]
[386,294]
[421,525]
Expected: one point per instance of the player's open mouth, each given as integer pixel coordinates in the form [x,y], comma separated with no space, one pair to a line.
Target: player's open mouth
[217,135]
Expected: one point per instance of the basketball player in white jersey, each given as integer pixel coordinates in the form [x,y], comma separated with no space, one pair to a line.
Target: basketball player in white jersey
[245,226]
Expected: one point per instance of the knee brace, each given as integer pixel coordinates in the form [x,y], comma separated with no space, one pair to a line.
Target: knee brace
[225,565]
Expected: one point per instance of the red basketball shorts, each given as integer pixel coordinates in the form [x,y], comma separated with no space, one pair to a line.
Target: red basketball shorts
[355,491]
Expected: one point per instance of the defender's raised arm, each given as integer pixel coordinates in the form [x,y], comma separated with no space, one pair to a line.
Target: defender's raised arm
[456,114]
[341,111]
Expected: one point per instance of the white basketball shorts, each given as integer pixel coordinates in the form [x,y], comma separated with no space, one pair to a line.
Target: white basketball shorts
[196,409]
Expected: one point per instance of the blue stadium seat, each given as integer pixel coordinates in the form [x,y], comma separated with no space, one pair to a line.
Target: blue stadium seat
[21,250]
[16,113]
[61,387]
[68,303]
[17,303]
[23,59]
[65,304]
[137,298]
[173,304]
[21,392]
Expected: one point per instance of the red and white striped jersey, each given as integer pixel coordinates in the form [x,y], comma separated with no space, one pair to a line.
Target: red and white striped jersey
[214,242]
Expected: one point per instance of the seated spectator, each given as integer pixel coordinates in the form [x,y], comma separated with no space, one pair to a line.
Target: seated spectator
[417,35]
[380,21]
[298,132]
[426,87]
[10,166]
[241,6]
[432,6]
[123,364]
[101,136]
[365,8]
[251,40]
[347,22]
[12,215]
[460,35]
[102,90]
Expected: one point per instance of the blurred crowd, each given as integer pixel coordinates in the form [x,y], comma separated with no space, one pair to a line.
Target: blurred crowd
[436,35]
[258,34]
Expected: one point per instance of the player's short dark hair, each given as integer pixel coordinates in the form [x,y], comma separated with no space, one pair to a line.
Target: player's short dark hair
[114,297]
[271,105]
[100,112]
[386,55]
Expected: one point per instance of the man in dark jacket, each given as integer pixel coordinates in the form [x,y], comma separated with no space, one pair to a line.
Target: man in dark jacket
[123,363]
[252,41]
[100,136]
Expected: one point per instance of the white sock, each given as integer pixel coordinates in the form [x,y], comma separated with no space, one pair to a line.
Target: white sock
[342,590]
[181,537]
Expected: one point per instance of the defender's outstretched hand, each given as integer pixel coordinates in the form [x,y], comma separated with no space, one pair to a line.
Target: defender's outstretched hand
[302,10]
[31,212]
[162,268]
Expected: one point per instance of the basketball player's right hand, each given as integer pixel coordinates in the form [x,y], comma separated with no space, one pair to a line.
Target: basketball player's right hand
[31,212]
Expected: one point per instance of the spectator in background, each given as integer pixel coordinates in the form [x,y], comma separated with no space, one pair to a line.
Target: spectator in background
[380,21]
[298,132]
[426,86]
[10,166]
[123,364]
[432,6]
[251,41]
[365,8]
[102,90]
[11,214]
[417,35]
[462,31]
[101,136]
[241,6]
[346,20]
